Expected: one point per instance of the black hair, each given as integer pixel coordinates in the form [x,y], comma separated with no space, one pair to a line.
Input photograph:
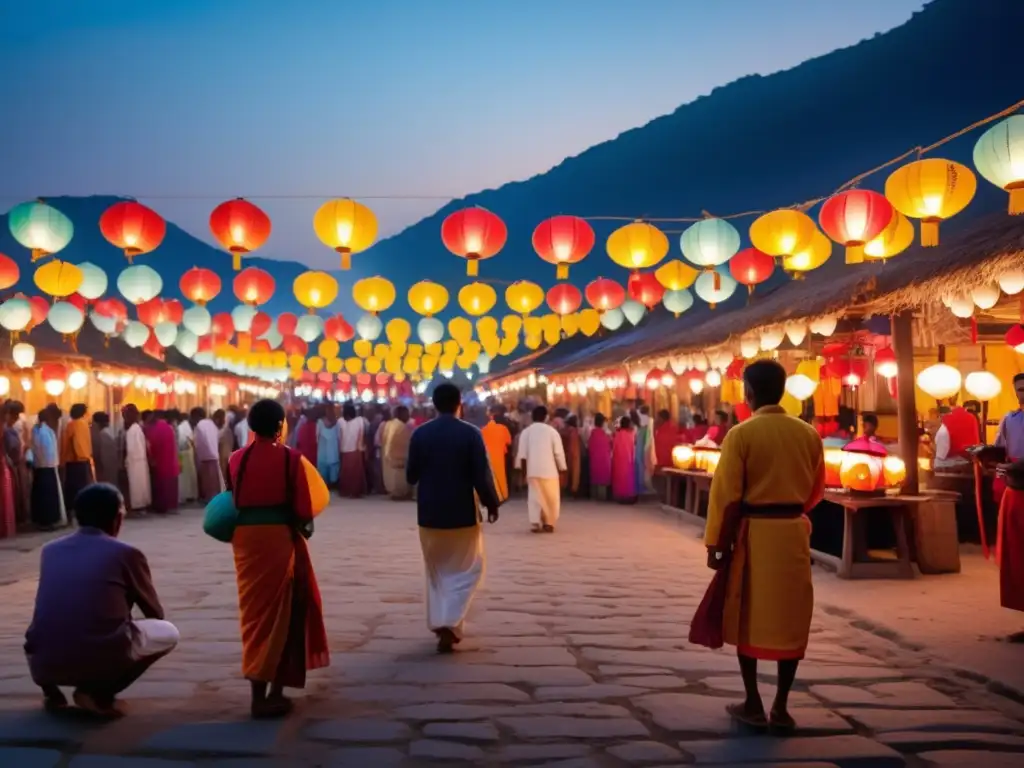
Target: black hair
[402,413]
[599,420]
[266,417]
[78,410]
[1018,377]
[572,421]
[348,411]
[723,416]
[220,412]
[447,398]
[664,414]
[101,417]
[625,422]
[766,380]
[540,414]
[198,414]
[14,406]
[699,420]
[869,418]
[98,506]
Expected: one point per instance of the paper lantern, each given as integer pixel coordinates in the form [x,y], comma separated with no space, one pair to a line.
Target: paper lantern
[253,286]
[346,226]
[885,363]
[783,232]
[604,294]
[750,346]
[751,267]
[893,240]
[676,275]
[983,385]
[563,240]
[696,386]
[477,298]
[40,227]
[58,278]
[139,283]
[524,297]
[853,218]
[1014,336]
[94,281]
[940,381]
[637,246]
[197,320]
[427,298]
[709,243]
[771,338]
[713,378]
[894,471]
[135,334]
[800,386]
[564,299]
[932,190]
[461,332]
[985,296]
[315,290]
[54,387]
[40,307]
[242,317]
[1011,282]
[861,472]
[645,288]
[999,158]
[65,318]
[186,342]
[833,464]
[15,314]
[613,319]
[78,380]
[714,287]
[337,328]
[199,285]
[473,234]
[5,386]
[24,355]
[166,333]
[633,310]
[223,326]
[809,258]
[9,272]
[824,326]
[133,228]
[103,323]
[240,227]
[796,333]
[398,331]
[677,302]
[369,327]
[373,294]
[962,306]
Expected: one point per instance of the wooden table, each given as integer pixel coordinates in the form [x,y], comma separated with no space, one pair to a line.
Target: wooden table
[854,563]
[696,483]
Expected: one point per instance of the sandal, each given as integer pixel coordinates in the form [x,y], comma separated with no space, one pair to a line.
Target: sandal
[446,641]
[271,708]
[90,704]
[739,713]
[781,723]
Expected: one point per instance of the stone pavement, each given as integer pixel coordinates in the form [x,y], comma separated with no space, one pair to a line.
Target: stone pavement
[577,657]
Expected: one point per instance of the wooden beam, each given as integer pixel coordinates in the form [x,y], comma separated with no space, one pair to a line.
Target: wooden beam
[906,408]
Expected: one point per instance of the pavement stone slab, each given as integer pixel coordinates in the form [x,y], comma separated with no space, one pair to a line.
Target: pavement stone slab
[882,720]
[433,749]
[844,751]
[358,730]
[591,709]
[27,757]
[365,757]
[594,692]
[969,758]
[114,761]
[698,714]
[550,727]
[920,741]
[415,694]
[645,752]
[38,727]
[522,753]
[248,737]
[483,732]
[899,695]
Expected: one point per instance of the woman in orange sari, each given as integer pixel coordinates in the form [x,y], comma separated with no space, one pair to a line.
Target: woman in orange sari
[282,623]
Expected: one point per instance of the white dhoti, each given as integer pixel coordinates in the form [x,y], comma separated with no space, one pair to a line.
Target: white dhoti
[153,637]
[543,500]
[188,481]
[454,562]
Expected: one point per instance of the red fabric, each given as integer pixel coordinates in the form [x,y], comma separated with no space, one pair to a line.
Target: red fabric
[263,486]
[1010,550]
[717,433]
[963,431]
[666,437]
[305,441]
[696,432]
[706,626]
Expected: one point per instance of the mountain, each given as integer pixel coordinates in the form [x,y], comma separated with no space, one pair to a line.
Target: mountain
[757,143]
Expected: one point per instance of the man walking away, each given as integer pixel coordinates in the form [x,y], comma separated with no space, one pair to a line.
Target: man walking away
[448,462]
[542,458]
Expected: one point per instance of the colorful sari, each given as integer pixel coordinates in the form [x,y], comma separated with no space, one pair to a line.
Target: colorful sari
[624,488]
[283,633]
[164,466]
[599,449]
[498,440]
[573,458]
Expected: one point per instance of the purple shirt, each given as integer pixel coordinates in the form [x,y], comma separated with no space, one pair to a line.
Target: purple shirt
[1011,434]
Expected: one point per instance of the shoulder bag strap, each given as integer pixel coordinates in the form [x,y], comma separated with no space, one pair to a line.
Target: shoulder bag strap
[241,474]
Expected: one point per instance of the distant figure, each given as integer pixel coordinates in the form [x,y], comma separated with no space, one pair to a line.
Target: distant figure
[136,460]
[76,454]
[105,454]
[82,633]
[448,462]
[394,452]
[542,459]
[353,455]
[698,430]
[624,488]
[309,435]
[644,450]
[666,437]
[163,461]
[599,450]
[573,450]
[188,481]
[328,445]
[719,429]
[48,511]
[207,454]
[225,441]
[498,440]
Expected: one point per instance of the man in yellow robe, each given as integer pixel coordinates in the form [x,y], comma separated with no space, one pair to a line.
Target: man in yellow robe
[770,474]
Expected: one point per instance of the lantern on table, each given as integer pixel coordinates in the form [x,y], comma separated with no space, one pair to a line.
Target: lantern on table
[133,228]
[683,457]
[563,240]
[853,218]
[894,471]
[833,465]
[346,226]
[40,227]
[637,246]
[474,234]
[240,227]
[861,469]
[931,190]
[706,458]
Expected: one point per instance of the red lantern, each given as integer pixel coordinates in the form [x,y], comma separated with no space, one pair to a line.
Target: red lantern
[253,286]
[363,380]
[199,285]
[337,328]
[604,294]
[564,298]
[325,378]
[133,228]
[563,240]
[205,344]
[78,301]
[473,234]
[240,227]
[152,347]
[40,309]
[9,272]
[855,217]
[382,379]
[645,288]
[293,345]
[150,312]
[173,311]
[223,326]
[751,267]
[54,372]
[1015,337]
[114,308]
[261,323]
[286,323]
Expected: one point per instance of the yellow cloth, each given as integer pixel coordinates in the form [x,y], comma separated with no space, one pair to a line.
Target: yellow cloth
[77,442]
[543,500]
[770,459]
[498,441]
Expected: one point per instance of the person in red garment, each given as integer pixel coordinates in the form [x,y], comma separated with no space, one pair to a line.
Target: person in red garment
[666,437]
[1010,541]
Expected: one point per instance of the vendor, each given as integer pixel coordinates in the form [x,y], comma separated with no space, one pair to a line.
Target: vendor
[957,432]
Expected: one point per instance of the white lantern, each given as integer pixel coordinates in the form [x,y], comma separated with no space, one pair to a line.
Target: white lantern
[78,380]
[696,386]
[800,386]
[430,330]
[1011,282]
[700,363]
[135,334]
[668,379]
[24,355]
[369,327]
[633,310]
[772,338]
[187,342]
[678,365]
[985,296]
[309,328]
[5,386]
[94,281]
[64,317]
[54,387]
[824,326]
[961,306]
[104,324]
[612,319]
[796,332]
[166,332]
[983,385]
[197,320]
[749,347]
[242,317]
[713,378]
[15,314]
[139,283]
[940,381]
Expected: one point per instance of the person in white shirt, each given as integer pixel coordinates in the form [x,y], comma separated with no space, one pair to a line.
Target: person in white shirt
[188,482]
[207,447]
[542,458]
[241,430]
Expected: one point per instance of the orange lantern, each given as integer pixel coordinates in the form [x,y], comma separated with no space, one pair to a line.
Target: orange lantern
[253,286]
[199,285]
[683,456]
[133,228]
[604,294]
[861,472]
[564,299]
[894,471]
[833,462]
[563,240]
[9,272]
[240,227]
[474,234]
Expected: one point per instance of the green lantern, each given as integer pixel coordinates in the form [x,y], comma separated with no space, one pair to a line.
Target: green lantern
[40,227]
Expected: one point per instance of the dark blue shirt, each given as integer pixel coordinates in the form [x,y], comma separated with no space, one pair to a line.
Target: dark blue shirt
[448,464]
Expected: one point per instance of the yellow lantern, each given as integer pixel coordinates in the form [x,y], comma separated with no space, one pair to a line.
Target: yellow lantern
[492,346]
[833,463]
[570,325]
[524,297]
[353,365]
[931,190]
[533,326]
[477,298]
[58,278]
[637,246]
[533,342]
[328,349]
[590,321]
[511,325]
[315,290]
[861,472]
[411,365]
[373,365]
[398,331]
[683,456]
[428,363]
[393,364]
[461,330]
[428,298]
[334,365]
[373,294]
[434,349]
[811,257]
[381,350]
[486,327]
[675,275]
[415,350]
[451,348]
[362,348]
[509,345]
[895,238]
[784,232]
[315,364]
[346,226]
[894,471]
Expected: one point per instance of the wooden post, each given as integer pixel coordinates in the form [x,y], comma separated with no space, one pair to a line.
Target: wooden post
[906,408]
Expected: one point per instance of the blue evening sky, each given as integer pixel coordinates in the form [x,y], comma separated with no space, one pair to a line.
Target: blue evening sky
[212,99]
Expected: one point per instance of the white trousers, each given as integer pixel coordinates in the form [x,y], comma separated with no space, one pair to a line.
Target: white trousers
[454,564]
[152,637]
[543,500]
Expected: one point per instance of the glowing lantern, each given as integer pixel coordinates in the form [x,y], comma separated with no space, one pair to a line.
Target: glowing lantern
[78,380]
[940,381]
[197,320]
[931,190]
[633,310]
[133,228]
[24,355]
[15,314]
[811,257]
[369,327]
[286,323]
[637,246]
[677,302]
[103,323]
[885,363]
[430,330]
[315,290]
[346,226]
[309,328]
[253,286]
[166,333]
[65,318]
[242,317]
[985,296]
[223,326]
[187,343]
[40,308]
[477,298]
[772,338]
[564,299]
[563,240]
[894,239]
[983,385]
[894,471]
[783,232]
[833,464]
[855,217]
[749,347]
[398,331]
[428,298]
[5,386]
[94,281]
[336,328]
[54,387]
[962,306]
[373,294]
[800,386]
[613,319]
[328,349]
[999,158]
[713,378]
[675,275]
[683,457]
[751,267]
[824,326]
[696,386]
[714,287]
[796,333]
[40,227]
[9,272]
[135,334]
[139,283]
[58,278]
[473,234]
[861,472]
[240,227]
[710,243]
[645,288]
[1011,282]
[199,285]
[604,294]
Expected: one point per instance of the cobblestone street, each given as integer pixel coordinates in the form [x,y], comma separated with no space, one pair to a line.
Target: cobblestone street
[576,656]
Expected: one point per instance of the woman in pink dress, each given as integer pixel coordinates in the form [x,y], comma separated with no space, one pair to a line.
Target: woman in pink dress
[624,488]
[599,449]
